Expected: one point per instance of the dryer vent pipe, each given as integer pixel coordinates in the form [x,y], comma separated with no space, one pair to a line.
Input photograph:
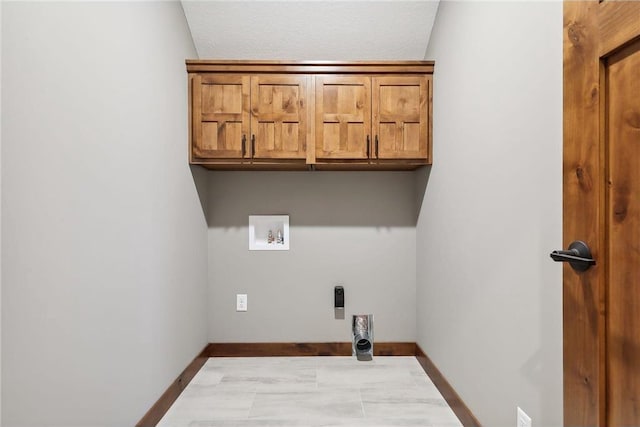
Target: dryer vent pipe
[362,334]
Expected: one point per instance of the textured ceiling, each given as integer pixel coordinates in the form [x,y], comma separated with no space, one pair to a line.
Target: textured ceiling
[310,29]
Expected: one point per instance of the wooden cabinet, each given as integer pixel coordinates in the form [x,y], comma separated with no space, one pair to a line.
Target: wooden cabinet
[401,117]
[372,118]
[220,116]
[241,119]
[306,115]
[279,117]
[343,117]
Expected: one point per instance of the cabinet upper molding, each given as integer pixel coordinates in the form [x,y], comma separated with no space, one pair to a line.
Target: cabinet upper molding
[313,67]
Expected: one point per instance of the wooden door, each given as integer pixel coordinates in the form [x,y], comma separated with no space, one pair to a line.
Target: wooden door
[400,117]
[220,114]
[343,117]
[601,185]
[279,116]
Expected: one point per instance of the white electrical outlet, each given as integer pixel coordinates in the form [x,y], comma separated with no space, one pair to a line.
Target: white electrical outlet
[524,420]
[241,302]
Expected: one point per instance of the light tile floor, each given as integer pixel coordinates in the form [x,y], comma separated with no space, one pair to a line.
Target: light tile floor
[310,392]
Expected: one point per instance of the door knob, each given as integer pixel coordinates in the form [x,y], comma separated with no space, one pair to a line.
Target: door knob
[578,256]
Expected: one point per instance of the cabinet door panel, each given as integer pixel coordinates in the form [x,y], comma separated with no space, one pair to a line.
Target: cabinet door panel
[221,139]
[400,117]
[343,117]
[279,116]
[220,106]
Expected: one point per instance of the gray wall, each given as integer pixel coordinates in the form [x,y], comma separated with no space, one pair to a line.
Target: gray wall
[489,308]
[356,228]
[104,237]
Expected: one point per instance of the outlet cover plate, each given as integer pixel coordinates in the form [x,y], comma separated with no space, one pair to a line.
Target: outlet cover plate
[241,302]
[524,420]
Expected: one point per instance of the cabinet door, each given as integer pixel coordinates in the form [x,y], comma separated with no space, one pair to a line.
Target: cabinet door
[220,113]
[400,117]
[279,116]
[343,117]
